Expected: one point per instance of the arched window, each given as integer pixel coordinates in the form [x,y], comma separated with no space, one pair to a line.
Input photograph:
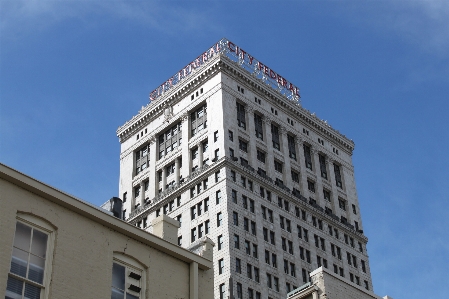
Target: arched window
[128,278]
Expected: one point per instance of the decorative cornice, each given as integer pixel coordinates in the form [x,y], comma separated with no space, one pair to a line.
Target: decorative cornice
[224,64]
[153,110]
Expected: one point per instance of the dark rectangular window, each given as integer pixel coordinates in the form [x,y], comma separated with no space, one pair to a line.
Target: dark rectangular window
[234,196]
[246,224]
[323,170]
[236,241]
[231,135]
[241,121]
[258,126]
[295,176]
[311,186]
[291,147]
[243,145]
[220,242]
[275,136]
[235,217]
[261,156]
[218,197]
[219,219]
[338,181]
[278,166]
[307,156]
[255,254]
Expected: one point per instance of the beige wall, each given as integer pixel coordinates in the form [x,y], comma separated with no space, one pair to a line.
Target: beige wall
[83,252]
[336,287]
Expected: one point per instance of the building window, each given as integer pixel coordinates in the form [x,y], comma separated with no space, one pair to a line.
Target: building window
[220,242]
[278,166]
[307,156]
[127,278]
[338,181]
[170,140]
[327,195]
[231,135]
[238,266]
[205,146]
[342,204]
[253,228]
[251,206]
[239,286]
[250,293]
[258,126]
[255,255]
[215,136]
[276,283]
[269,284]
[323,170]
[241,122]
[217,176]
[235,217]
[311,186]
[220,266]
[291,147]
[233,175]
[295,176]
[231,153]
[31,259]
[219,219]
[243,145]
[261,156]
[218,197]
[275,136]
[198,120]
[193,234]
[222,291]
[142,158]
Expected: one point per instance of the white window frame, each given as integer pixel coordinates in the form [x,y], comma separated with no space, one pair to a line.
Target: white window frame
[42,225]
[131,265]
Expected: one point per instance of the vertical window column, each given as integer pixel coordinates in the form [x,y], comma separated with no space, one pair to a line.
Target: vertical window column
[187,163]
[317,169]
[270,156]
[300,158]
[331,178]
[252,141]
[286,173]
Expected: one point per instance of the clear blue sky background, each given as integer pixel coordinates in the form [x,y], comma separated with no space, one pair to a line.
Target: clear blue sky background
[73,71]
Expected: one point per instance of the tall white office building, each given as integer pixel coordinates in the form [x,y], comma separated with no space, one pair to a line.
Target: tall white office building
[225,147]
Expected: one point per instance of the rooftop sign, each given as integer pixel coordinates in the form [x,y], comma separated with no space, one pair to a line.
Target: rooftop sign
[244,60]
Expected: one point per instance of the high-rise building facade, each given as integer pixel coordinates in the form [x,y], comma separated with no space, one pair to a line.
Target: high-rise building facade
[225,147]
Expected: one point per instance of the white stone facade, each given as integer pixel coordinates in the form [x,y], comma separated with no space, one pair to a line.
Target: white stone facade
[220,84]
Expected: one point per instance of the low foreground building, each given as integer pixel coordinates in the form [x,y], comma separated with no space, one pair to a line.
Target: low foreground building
[325,284]
[54,245]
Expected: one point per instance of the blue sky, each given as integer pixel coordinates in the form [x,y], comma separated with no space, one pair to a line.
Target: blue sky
[71,72]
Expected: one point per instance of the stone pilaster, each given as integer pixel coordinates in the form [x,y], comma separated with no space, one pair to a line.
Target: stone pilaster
[186,161]
[152,168]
